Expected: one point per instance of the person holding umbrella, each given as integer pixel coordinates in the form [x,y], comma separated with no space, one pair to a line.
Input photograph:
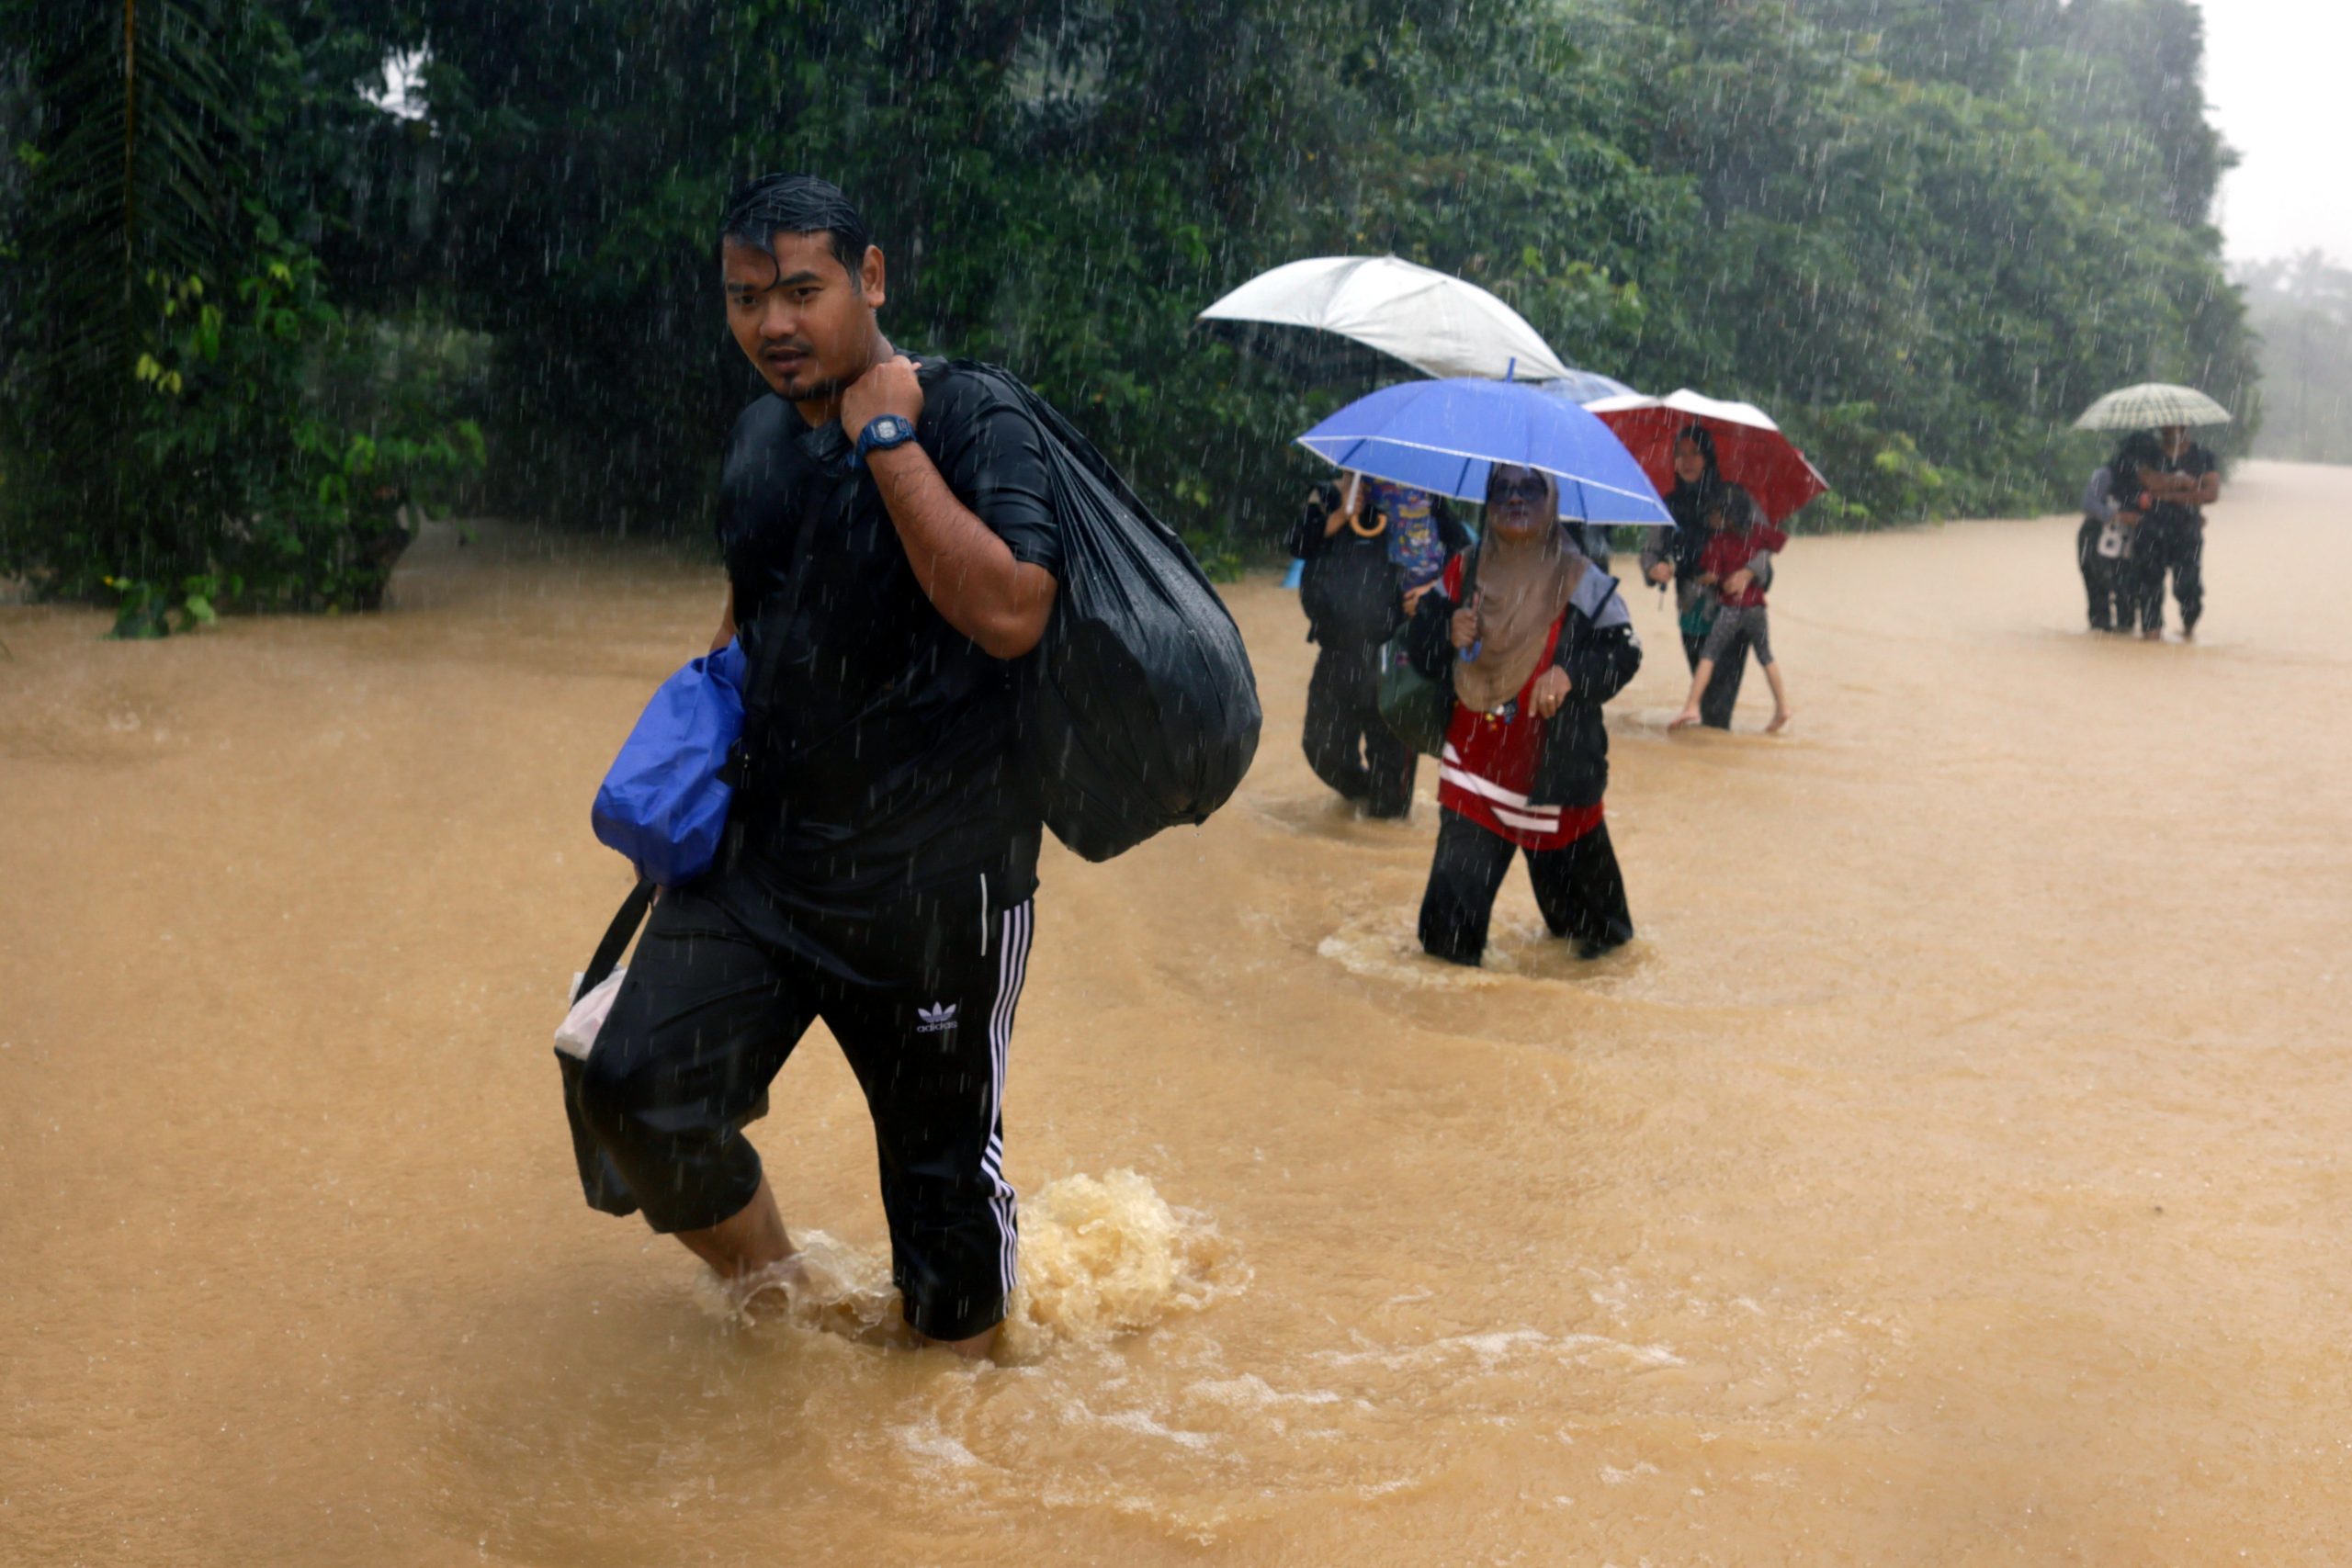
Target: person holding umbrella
[2182,481]
[1732,543]
[1671,556]
[2172,492]
[1696,448]
[1502,671]
[1372,548]
[1537,643]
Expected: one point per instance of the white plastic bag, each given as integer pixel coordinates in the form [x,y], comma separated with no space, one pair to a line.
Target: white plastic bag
[577,1036]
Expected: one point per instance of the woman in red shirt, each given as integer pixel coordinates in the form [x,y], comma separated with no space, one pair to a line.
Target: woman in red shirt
[1538,641]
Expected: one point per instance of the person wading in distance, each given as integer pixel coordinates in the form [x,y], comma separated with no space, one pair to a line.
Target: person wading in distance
[2183,480]
[891,550]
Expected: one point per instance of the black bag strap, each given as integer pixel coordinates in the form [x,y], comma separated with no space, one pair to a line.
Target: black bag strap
[617,936]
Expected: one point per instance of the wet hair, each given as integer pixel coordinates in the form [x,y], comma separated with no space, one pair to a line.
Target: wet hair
[1698,435]
[796,204]
[2140,446]
[1734,505]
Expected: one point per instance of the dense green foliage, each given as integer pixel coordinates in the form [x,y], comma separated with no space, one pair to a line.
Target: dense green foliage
[1932,244]
[1924,235]
[188,420]
[2302,309]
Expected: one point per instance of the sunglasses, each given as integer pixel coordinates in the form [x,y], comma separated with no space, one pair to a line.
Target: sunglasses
[1521,490]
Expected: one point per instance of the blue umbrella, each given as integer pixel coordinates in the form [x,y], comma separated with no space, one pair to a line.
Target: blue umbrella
[1443,437]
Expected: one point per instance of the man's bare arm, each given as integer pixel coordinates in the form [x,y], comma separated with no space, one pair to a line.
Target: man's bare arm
[965,570]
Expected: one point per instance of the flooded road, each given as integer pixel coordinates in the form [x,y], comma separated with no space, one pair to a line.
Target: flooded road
[1954,1171]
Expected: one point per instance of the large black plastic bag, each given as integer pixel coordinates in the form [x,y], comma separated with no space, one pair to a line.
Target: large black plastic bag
[1140,710]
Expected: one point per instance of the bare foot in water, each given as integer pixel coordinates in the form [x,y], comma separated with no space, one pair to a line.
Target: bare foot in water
[767,1292]
[790,1291]
[1684,719]
[1780,721]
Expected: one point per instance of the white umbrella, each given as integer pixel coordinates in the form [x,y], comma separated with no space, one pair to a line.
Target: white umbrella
[2151,405]
[1433,322]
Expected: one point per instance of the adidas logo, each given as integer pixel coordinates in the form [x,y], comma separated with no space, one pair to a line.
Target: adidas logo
[935,1020]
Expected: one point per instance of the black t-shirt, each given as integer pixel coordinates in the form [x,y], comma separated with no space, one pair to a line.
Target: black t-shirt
[2196,462]
[879,740]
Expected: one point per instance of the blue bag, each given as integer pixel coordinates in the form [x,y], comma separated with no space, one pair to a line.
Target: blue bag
[663,803]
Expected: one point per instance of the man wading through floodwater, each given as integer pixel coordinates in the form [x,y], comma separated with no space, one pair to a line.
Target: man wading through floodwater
[890,551]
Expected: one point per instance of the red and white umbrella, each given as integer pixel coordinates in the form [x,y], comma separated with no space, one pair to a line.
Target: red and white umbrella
[1749,449]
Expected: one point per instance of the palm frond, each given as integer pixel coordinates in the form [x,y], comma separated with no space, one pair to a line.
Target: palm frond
[130,194]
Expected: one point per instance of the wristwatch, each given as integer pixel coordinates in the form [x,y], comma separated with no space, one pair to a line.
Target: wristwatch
[884,431]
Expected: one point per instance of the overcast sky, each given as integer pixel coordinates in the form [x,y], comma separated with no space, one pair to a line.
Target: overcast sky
[2279,74]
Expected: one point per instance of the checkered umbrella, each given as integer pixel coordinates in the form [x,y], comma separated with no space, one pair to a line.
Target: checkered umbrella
[2151,405]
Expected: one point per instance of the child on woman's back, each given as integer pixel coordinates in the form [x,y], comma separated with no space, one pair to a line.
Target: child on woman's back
[1733,545]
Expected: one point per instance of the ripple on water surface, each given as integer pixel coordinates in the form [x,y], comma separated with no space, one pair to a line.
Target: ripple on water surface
[1383,946]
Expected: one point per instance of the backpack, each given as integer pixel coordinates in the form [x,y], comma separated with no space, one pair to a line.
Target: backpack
[1350,593]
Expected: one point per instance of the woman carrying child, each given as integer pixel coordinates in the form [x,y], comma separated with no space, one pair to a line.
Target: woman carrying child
[1671,556]
[1533,645]
[1736,536]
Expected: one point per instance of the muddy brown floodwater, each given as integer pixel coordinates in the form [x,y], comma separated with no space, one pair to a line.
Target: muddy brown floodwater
[1954,1171]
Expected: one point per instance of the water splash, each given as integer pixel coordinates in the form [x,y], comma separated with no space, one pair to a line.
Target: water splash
[1099,1257]
[1110,1257]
